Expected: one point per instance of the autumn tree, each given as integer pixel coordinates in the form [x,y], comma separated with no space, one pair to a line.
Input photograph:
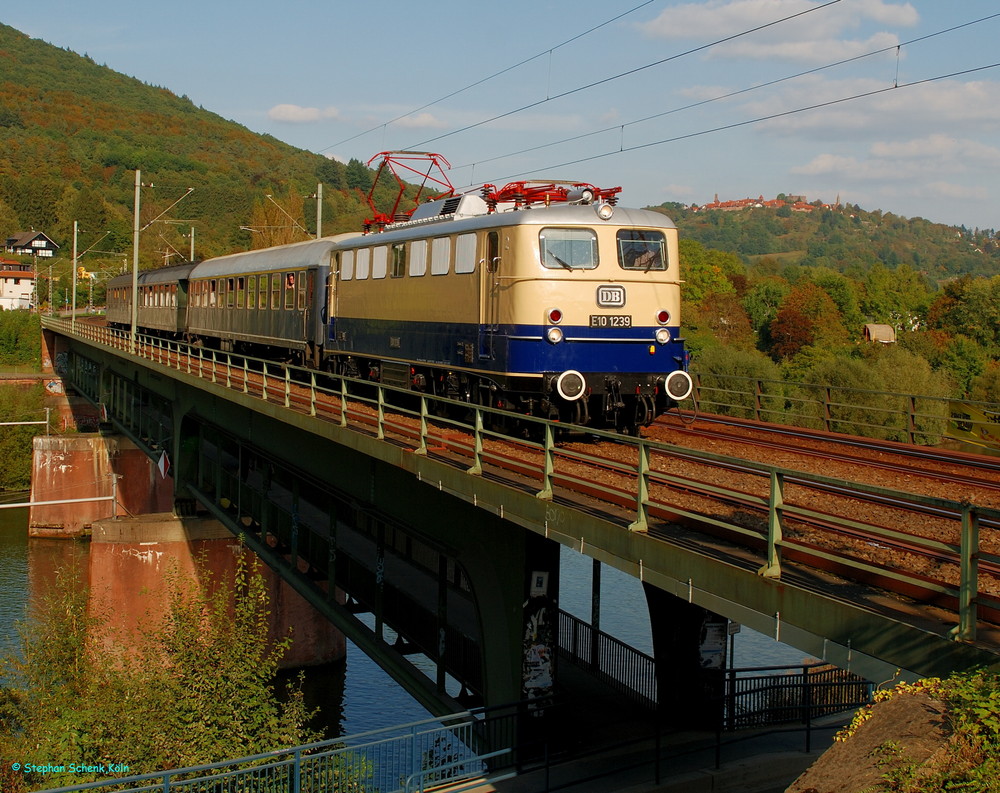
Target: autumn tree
[807,317]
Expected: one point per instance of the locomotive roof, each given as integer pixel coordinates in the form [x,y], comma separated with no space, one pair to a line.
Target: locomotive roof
[430,225]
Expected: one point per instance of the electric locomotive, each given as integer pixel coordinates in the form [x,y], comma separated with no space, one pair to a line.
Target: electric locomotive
[545,299]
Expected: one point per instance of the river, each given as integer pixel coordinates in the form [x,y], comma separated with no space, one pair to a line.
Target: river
[356,695]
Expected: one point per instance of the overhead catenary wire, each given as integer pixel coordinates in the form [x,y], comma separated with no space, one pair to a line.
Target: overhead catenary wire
[627,73]
[730,94]
[759,119]
[547,51]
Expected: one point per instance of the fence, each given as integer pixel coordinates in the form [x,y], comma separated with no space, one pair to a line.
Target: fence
[407,758]
[884,415]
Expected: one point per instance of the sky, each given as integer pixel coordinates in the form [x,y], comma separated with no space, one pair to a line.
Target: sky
[888,105]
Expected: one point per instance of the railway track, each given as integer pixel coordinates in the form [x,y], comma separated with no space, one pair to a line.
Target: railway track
[907,544]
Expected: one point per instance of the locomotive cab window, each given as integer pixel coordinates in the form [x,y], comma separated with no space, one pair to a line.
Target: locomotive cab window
[568,249]
[640,249]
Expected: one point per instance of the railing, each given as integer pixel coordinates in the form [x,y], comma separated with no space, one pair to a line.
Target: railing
[766,695]
[410,757]
[624,668]
[639,485]
[753,696]
[884,415]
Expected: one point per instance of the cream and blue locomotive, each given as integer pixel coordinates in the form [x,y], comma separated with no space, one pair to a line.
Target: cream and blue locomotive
[545,300]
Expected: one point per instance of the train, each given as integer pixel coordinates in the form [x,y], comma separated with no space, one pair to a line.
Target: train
[544,299]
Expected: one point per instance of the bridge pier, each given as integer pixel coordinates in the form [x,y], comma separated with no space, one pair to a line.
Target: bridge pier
[689,645]
[132,561]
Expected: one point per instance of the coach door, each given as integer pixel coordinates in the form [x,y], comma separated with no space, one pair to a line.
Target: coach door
[489,304]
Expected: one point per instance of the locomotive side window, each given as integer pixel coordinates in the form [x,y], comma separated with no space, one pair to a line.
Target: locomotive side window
[347,266]
[398,260]
[418,257]
[640,249]
[440,256]
[569,249]
[363,256]
[465,253]
[379,259]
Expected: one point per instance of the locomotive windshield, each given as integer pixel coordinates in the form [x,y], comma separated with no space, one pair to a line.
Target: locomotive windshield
[640,249]
[570,249]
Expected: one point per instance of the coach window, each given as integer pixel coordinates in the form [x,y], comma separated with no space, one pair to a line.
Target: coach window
[379,259]
[252,292]
[568,249]
[418,257]
[275,291]
[398,260]
[301,284]
[440,256]
[240,291]
[289,291]
[230,291]
[640,249]
[213,293]
[465,253]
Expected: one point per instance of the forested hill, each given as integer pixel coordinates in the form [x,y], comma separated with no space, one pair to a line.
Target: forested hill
[845,238]
[72,133]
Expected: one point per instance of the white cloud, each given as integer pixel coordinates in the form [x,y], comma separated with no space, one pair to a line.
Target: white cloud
[295,114]
[825,34]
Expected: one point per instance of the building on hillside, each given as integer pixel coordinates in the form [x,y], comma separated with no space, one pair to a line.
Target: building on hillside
[885,334]
[31,243]
[17,285]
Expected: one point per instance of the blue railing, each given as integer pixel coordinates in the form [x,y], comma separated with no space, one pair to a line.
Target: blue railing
[407,758]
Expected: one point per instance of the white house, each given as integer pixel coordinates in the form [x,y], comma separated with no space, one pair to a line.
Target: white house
[17,285]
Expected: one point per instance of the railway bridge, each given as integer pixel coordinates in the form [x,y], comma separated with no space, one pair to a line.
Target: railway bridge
[431,539]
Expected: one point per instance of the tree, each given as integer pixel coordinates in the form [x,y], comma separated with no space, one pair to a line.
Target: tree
[194,687]
[807,317]
[706,271]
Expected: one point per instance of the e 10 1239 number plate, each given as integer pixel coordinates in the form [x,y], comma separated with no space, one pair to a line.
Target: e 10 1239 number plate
[611,320]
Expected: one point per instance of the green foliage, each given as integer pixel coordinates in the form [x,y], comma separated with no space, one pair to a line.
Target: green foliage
[969,760]
[18,403]
[859,403]
[742,383]
[193,687]
[20,338]
[706,271]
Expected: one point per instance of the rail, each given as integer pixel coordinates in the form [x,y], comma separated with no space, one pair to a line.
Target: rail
[638,486]
[885,415]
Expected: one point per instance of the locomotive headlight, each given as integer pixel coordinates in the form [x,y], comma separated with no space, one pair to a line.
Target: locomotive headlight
[678,385]
[554,335]
[570,385]
[605,211]
[662,335]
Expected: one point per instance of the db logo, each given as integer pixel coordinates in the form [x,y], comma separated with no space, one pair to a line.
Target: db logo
[611,296]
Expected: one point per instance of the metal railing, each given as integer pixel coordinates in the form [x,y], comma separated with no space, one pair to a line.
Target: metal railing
[752,696]
[883,415]
[638,483]
[410,757]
